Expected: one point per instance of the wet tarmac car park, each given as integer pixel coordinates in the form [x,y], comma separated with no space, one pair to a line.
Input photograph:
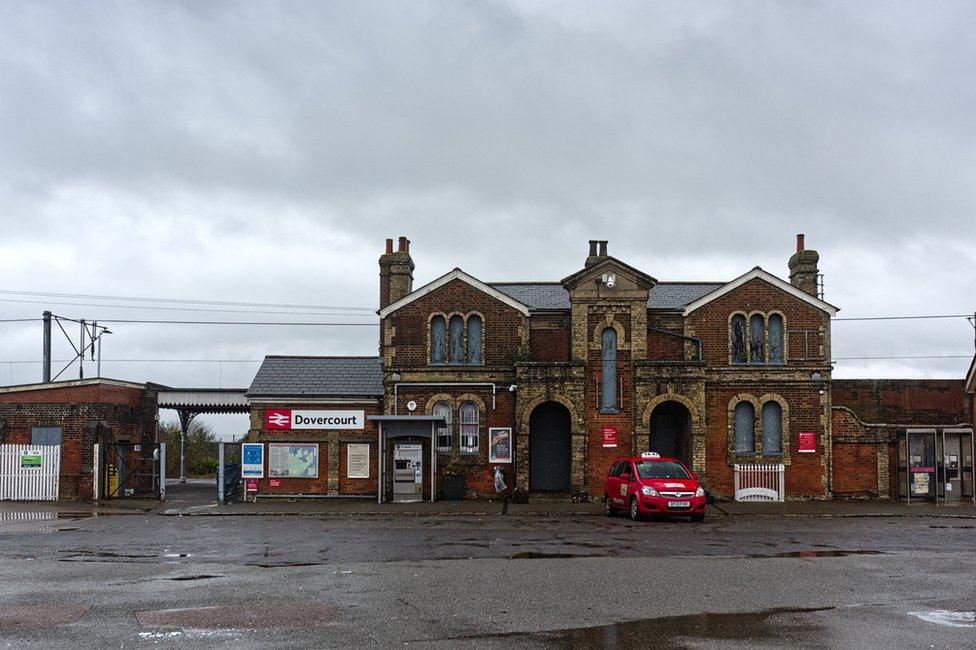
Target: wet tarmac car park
[574,581]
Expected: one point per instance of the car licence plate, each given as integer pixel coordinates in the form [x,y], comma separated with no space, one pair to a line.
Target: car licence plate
[679,504]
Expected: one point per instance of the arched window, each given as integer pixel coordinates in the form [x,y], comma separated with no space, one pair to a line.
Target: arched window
[608,392]
[757,339]
[745,429]
[469,427]
[445,434]
[456,339]
[474,340]
[772,428]
[438,337]
[775,338]
[738,339]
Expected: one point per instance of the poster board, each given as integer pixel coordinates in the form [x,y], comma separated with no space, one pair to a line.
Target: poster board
[500,445]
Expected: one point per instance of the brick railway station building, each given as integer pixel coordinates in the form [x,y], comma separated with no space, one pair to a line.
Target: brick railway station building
[552,380]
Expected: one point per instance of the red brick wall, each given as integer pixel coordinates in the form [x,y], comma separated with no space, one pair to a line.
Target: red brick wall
[711,322]
[320,485]
[855,469]
[501,324]
[124,413]
[805,474]
[479,479]
[905,401]
[549,344]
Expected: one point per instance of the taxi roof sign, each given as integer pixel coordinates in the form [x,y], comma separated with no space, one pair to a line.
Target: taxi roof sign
[650,454]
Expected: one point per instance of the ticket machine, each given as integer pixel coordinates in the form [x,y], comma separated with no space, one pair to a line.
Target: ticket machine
[408,472]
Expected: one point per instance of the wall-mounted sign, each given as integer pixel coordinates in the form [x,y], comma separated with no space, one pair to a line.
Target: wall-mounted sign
[609,437]
[31,459]
[500,445]
[357,461]
[806,442]
[274,483]
[291,419]
[250,485]
[252,460]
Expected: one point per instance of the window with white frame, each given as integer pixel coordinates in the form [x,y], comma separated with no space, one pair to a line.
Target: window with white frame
[470,438]
[445,432]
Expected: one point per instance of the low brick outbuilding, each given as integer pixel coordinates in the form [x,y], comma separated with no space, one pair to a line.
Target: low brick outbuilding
[76,415]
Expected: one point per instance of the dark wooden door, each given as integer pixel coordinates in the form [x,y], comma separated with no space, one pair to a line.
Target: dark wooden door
[550,451]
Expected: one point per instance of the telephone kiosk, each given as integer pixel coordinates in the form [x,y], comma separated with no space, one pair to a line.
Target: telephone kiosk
[408,472]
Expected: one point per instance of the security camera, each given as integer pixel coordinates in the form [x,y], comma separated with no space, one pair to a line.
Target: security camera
[511,389]
[611,280]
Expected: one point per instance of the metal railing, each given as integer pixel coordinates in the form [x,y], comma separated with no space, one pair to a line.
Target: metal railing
[760,482]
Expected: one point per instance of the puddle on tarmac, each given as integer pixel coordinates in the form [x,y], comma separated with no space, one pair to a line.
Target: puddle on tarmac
[830,553]
[535,555]
[947,618]
[683,631]
[191,578]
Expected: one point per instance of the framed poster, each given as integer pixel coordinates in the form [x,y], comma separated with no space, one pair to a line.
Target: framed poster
[357,460]
[252,460]
[609,437]
[293,460]
[500,445]
[806,442]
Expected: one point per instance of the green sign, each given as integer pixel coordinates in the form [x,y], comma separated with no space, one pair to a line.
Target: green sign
[30,460]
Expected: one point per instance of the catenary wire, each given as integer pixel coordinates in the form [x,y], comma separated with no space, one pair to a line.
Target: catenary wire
[223,303]
[203,309]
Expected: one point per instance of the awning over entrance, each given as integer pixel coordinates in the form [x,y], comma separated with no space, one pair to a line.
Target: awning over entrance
[398,426]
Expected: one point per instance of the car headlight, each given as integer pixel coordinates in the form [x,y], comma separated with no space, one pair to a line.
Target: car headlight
[648,491]
[700,492]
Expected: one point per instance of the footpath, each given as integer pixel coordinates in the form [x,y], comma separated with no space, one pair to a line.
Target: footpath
[196,498]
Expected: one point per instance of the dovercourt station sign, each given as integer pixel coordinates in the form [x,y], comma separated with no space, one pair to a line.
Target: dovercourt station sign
[301,419]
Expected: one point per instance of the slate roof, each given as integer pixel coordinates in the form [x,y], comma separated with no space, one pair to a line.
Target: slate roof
[668,296]
[318,377]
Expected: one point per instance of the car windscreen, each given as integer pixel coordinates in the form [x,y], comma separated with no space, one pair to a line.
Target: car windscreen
[661,469]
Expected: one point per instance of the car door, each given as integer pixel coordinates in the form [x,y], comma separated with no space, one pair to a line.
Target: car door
[625,482]
[612,487]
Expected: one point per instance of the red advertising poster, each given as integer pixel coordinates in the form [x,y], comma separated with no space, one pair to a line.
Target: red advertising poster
[806,442]
[274,482]
[609,436]
[251,485]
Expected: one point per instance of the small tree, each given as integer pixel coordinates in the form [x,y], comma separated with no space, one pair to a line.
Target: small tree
[201,449]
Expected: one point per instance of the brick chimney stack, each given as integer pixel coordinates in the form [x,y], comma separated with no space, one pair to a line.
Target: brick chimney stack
[803,268]
[396,272]
[598,251]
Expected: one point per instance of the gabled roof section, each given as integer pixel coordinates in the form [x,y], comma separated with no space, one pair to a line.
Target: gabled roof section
[641,278]
[318,377]
[971,377]
[760,274]
[456,274]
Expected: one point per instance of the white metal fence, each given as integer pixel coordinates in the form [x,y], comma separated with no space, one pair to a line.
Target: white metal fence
[760,482]
[29,473]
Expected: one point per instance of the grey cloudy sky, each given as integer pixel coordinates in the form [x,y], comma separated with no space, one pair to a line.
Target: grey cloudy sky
[263,151]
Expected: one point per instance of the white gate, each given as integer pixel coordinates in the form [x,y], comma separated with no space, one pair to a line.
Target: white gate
[29,473]
[760,482]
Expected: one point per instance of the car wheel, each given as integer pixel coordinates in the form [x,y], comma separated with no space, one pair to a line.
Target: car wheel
[607,508]
[698,517]
[634,510]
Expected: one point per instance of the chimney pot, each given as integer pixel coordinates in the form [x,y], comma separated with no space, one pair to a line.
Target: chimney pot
[389,245]
[603,248]
[800,246]
[402,244]
[592,248]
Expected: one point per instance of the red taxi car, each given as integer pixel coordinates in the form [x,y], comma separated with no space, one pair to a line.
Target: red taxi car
[649,485]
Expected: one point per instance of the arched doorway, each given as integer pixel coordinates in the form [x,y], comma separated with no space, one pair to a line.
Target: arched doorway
[670,431]
[550,455]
